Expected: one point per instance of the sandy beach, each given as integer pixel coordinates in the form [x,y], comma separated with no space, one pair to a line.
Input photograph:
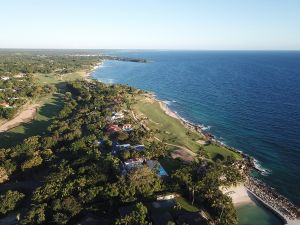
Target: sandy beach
[88,74]
[24,117]
[239,194]
[169,112]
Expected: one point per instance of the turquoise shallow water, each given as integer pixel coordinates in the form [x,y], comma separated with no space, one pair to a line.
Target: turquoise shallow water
[256,215]
[250,100]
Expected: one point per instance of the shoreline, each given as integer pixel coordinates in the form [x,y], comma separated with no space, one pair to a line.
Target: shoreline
[239,195]
[248,163]
[88,74]
[287,212]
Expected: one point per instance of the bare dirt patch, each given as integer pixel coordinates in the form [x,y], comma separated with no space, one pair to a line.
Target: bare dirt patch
[201,142]
[183,154]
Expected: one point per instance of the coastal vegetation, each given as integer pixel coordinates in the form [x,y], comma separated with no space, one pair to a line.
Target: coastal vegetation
[76,167]
[109,153]
[172,132]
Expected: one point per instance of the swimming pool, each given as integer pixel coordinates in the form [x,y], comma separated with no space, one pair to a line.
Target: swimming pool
[162,171]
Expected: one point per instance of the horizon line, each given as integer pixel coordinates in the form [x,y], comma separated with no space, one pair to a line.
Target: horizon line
[147,49]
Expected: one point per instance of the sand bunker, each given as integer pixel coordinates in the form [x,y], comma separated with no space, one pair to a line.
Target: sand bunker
[24,117]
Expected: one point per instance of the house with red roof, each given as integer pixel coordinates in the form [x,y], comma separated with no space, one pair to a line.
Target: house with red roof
[127,127]
[113,128]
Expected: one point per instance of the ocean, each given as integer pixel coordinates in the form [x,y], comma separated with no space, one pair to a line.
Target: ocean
[249,100]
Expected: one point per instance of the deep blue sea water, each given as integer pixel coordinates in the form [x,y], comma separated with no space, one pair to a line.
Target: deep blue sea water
[250,100]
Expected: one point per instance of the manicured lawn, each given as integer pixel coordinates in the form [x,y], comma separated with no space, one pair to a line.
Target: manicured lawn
[167,128]
[186,205]
[216,152]
[168,206]
[46,78]
[51,105]
[170,130]
[55,79]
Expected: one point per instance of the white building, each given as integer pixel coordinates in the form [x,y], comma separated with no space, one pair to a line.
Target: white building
[5,78]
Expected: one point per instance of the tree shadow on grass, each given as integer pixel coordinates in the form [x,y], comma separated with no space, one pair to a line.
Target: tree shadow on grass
[218,156]
[37,126]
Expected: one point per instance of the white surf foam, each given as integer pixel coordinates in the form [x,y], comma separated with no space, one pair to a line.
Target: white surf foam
[167,102]
[263,171]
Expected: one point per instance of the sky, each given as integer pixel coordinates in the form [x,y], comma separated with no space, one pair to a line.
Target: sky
[151,24]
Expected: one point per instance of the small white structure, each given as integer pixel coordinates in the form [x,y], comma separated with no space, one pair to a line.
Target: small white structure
[5,78]
[133,163]
[13,98]
[127,127]
[166,197]
[20,75]
[139,147]
[117,115]
[123,146]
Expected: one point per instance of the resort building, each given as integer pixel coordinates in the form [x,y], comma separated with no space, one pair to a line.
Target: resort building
[152,164]
[13,98]
[113,128]
[133,163]
[127,127]
[5,78]
[126,146]
[123,147]
[117,116]
[139,147]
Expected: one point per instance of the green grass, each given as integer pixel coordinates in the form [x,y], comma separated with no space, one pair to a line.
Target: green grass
[51,105]
[168,128]
[46,78]
[186,205]
[215,152]
[56,79]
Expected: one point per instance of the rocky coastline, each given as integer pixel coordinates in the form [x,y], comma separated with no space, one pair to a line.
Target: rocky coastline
[288,211]
[279,204]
